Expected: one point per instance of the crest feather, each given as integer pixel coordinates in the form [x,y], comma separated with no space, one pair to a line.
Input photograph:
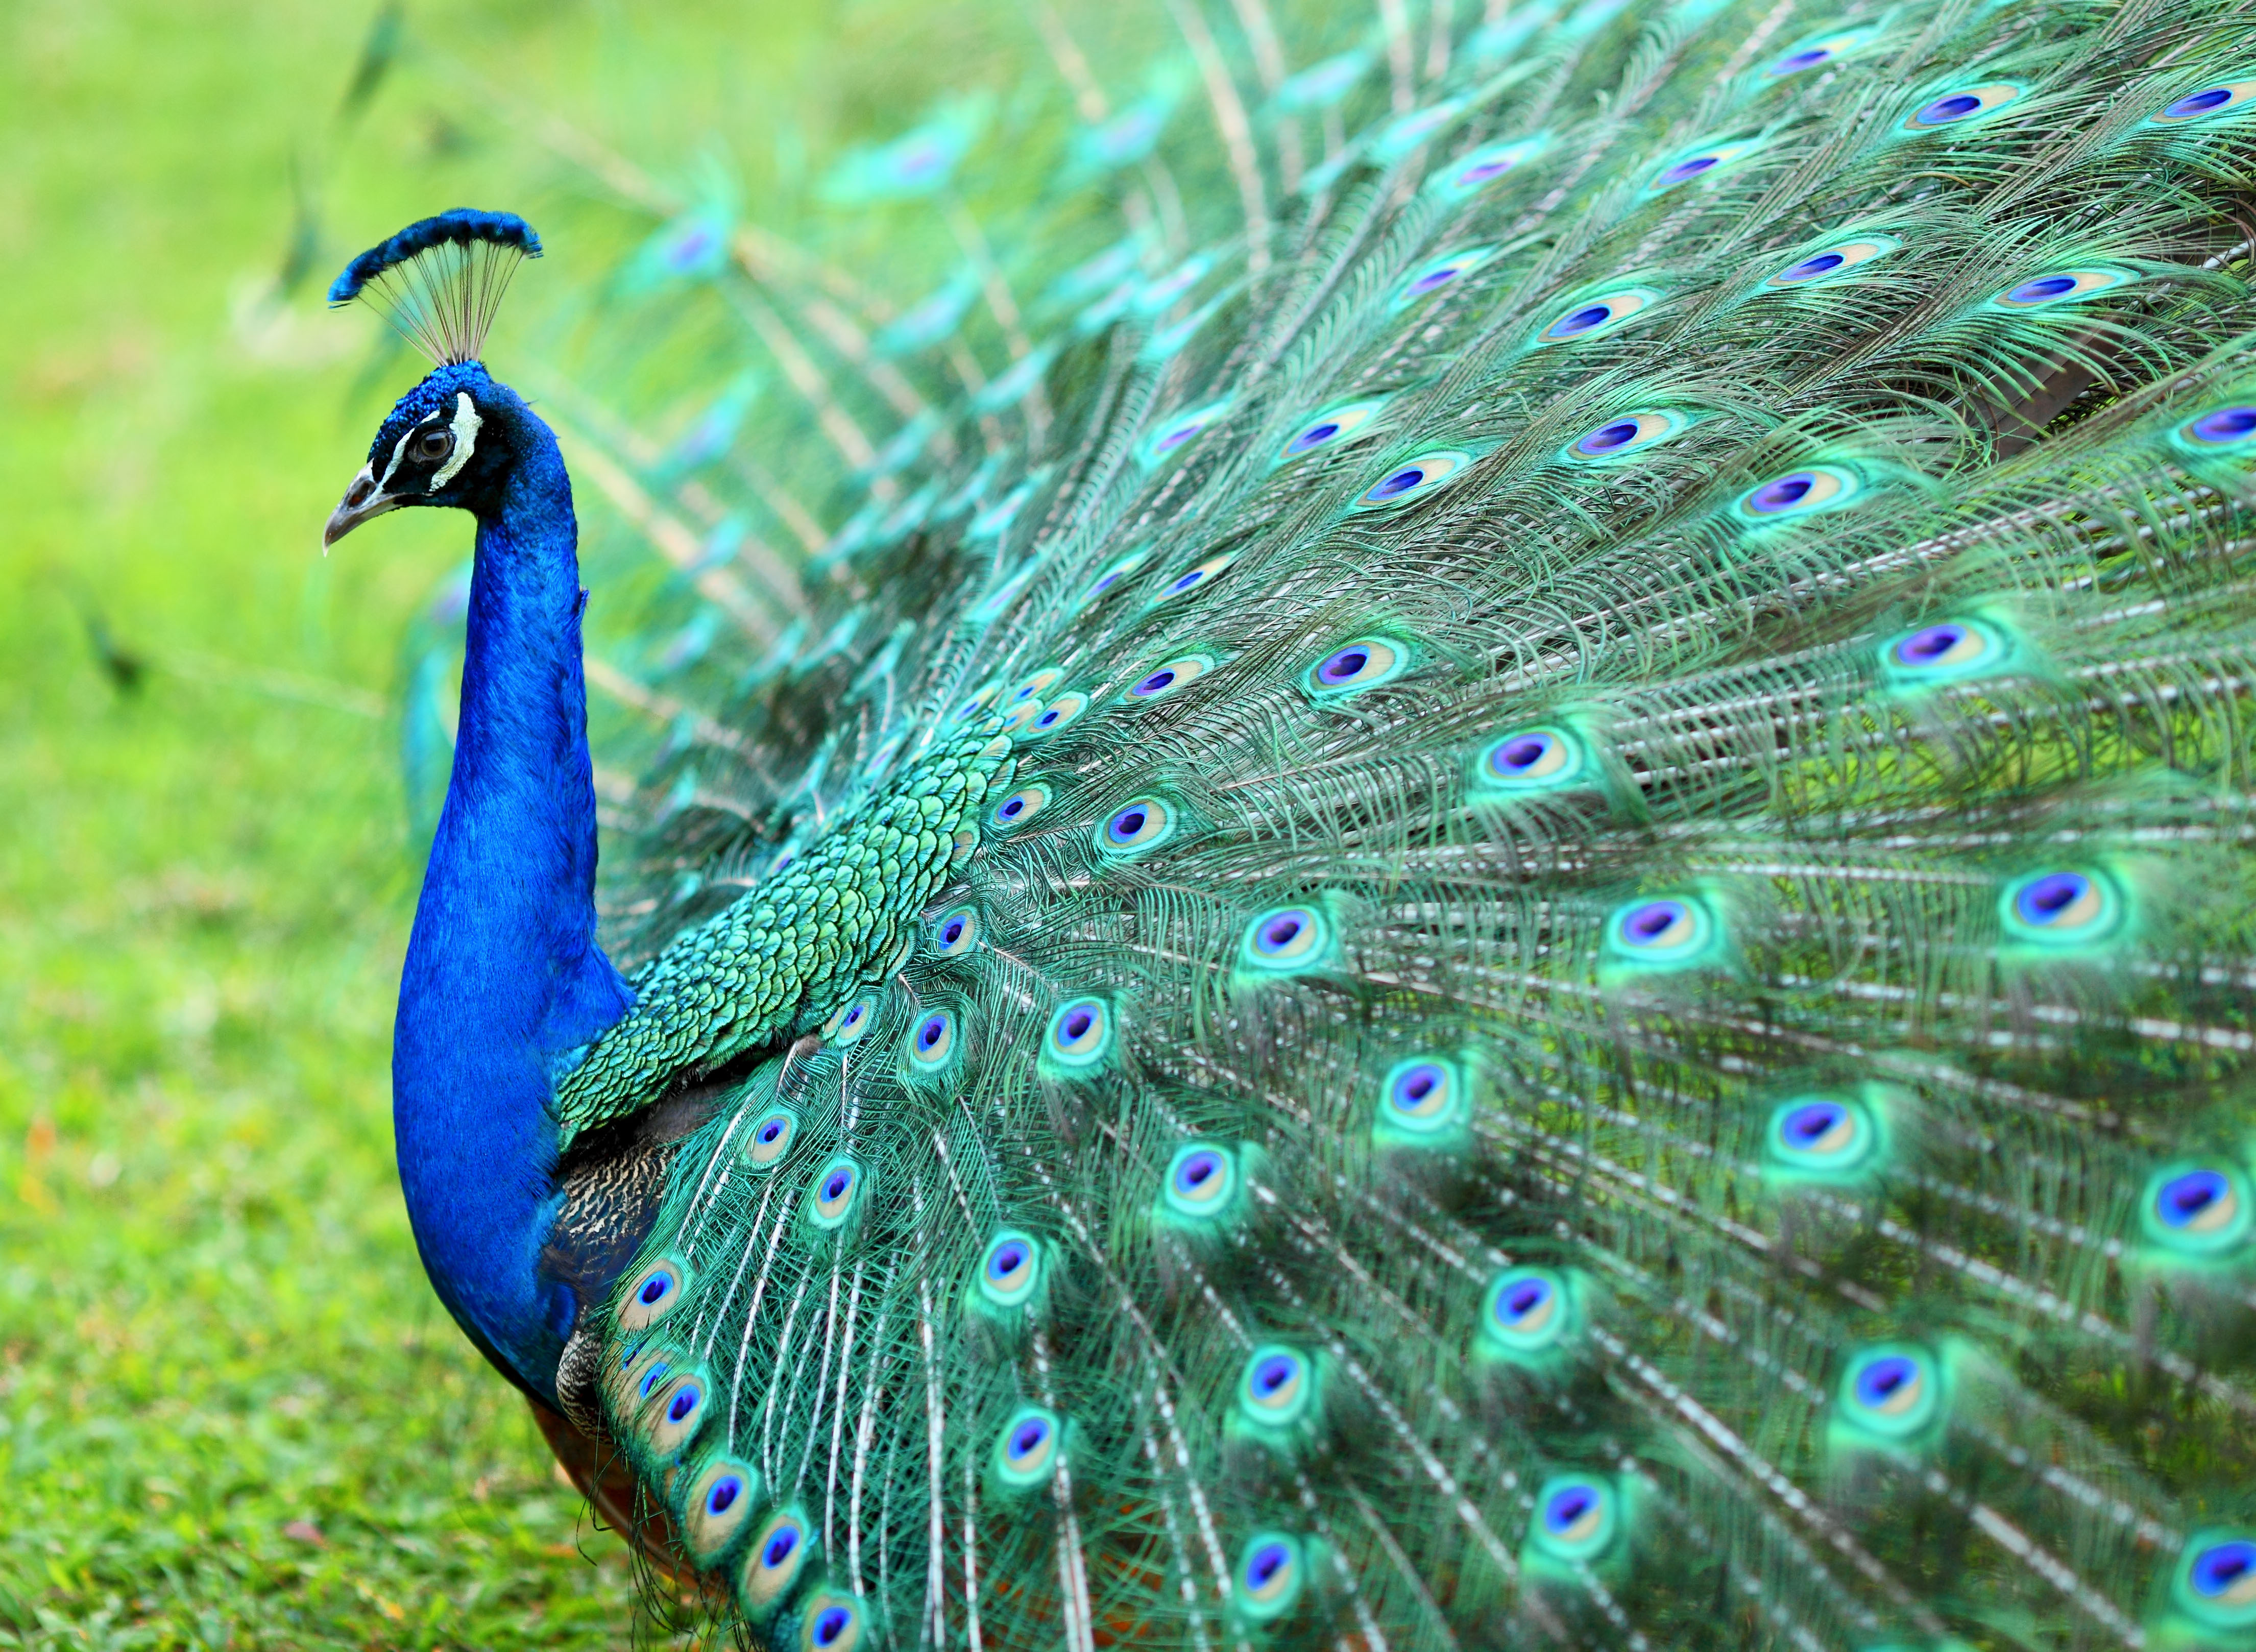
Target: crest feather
[440,281]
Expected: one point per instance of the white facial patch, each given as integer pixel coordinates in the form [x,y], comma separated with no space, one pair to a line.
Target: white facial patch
[466,425]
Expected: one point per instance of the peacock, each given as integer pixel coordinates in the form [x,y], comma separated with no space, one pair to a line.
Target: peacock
[1490,883]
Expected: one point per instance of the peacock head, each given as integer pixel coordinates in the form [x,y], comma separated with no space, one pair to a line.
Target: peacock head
[448,441]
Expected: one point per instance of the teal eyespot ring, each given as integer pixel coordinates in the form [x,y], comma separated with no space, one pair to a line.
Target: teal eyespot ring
[1011,1269]
[1168,677]
[1625,436]
[1955,650]
[2214,1582]
[835,1192]
[1055,716]
[1080,1035]
[769,1139]
[1812,489]
[1577,1518]
[1831,262]
[2061,908]
[1594,316]
[1135,828]
[1178,431]
[1672,931]
[1026,1447]
[1821,1135]
[652,1293]
[720,1504]
[1962,108]
[2219,100]
[1018,808]
[2058,287]
[1541,758]
[1436,273]
[1277,1388]
[1333,427]
[1351,668]
[775,1562]
[851,1019]
[2198,1209]
[1892,1394]
[1201,1181]
[955,931]
[1196,578]
[832,1622]
[1529,1312]
[1414,478]
[932,1040]
[1270,1575]
[1286,941]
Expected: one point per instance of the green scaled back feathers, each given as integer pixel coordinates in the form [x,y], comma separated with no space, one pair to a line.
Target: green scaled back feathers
[1494,886]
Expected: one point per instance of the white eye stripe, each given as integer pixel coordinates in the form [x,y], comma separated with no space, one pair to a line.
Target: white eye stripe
[398,452]
[466,426]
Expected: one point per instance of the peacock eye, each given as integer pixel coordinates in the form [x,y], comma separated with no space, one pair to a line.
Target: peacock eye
[433,445]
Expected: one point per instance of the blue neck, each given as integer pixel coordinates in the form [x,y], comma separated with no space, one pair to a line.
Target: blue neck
[503,976]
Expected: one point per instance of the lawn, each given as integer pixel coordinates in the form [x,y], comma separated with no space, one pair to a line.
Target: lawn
[231,1414]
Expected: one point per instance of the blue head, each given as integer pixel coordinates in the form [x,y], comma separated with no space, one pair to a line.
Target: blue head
[453,439]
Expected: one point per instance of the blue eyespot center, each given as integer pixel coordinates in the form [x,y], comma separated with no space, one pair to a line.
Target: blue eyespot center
[1198,1170]
[684,1402]
[1943,110]
[1267,1561]
[1127,824]
[1811,267]
[1568,1506]
[830,1624]
[723,1495]
[1008,1259]
[2046,899]
[654,1289]
[1280,932]
[1925,646]
[1787,490]
[1028,1436]
[1527,1296]
[2048,287]
[1273,1373]
[2183,1199]
[779,1547]
[1400,483]
[2221,1569]
[934,1028]
[2199,103]
[1314,436]
[1882,1380]
[2228,424]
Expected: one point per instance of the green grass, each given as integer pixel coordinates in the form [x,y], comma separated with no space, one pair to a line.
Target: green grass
[231,1415]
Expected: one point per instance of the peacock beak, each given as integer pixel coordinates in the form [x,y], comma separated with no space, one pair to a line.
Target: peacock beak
[362,500]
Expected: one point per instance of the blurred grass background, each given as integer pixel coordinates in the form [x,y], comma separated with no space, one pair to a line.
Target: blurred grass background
[231,1414]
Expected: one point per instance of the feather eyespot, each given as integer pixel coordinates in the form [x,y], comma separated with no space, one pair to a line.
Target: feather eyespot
[1406,132]
[1019,718]
[1528,1311]
[1080,1034]
[1577,1517]
[1010,1270]
[651,1294]
[672,1413]
[2060,286]
[1286,941]
[1277,1387]
[979,702]
[2062,908]
[1543,759]
[853,1019]
[1200,1181]
[1197,576]
[1034,687]
[1436,273]
[1674,932]
[1834,1137]
[1019,806]
[769,1139]
[2223,428]
[1414,478]
[2215,1581]
[1705,162]
[1893,1392]
[836,1189]
[1354,666]
[1179,430]
[1965,107]
[1804,492]
[1617,439]
[1825,48]
[1422,1097]
[1945,652]
[832,1622]
[1269,1577]
[1115,571]
[1136,828]
[1060,713]
[719,1506]
[955,931]
[1329,428]
[932,1040]
[2224,97]
[1588,318]
[1026,1450]
[776,1556]
[1477,170]
[1829,264]
[2197,1211]
[1167,678]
